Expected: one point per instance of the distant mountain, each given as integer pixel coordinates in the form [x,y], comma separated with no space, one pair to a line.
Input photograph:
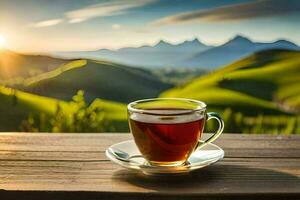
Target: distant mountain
[162,54]
[187,54]
[17,66]
[233,50]
[98,79]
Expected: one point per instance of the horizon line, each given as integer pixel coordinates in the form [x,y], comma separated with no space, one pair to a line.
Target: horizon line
[152,44]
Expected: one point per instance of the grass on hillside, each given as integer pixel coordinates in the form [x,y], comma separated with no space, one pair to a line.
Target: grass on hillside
[68,66]
[16,106]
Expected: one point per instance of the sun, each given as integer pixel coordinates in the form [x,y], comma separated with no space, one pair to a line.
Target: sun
[2,41]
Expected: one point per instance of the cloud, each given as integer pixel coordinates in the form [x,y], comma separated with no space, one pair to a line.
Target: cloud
[76,20]
[236,12]
[104,9]
[116,26]
[116,7]
[46,23]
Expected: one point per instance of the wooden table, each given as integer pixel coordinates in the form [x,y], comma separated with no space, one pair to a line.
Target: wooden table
[73,166]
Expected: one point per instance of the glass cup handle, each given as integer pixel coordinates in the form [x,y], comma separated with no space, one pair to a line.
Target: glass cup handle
[216,116]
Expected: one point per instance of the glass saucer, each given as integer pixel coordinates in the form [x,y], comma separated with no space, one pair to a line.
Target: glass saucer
[200,158]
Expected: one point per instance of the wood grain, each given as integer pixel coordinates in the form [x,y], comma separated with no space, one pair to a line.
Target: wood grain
[58,166]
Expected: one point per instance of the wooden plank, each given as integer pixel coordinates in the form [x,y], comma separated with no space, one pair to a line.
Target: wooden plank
[92,142]
[32,167]
[99,155]
[54,166]
[226,177]
[52,156]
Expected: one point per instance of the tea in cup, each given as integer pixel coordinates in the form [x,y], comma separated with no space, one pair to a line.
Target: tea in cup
[167,130]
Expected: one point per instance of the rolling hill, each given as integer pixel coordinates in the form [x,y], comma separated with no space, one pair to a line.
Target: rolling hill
[265,82]
[15,106]
[98,79]
[16,66]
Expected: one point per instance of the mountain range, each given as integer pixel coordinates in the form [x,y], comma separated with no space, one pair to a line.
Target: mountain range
[192,54]
[235,49]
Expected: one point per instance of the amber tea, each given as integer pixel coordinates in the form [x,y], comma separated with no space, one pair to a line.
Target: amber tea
[168,130]
[166,140]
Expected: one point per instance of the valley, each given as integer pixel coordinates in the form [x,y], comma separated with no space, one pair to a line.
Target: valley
[257,93]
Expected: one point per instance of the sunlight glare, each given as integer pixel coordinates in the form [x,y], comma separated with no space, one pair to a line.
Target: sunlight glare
[2,41]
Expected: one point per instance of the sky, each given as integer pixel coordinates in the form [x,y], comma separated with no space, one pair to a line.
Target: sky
[74,25]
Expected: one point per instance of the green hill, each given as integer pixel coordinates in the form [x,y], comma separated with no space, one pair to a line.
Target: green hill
[266,82]
[258,94]
[14,67]
[15,106]
[98,79]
